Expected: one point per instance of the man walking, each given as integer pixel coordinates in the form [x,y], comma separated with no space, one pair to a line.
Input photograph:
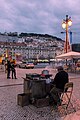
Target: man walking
[8,69]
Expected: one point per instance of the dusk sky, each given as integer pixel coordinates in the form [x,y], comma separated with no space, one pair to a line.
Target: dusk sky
[40,16]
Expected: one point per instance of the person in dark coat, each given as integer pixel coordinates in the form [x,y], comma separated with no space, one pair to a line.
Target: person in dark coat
[13,70]
[8,69]
[60,79]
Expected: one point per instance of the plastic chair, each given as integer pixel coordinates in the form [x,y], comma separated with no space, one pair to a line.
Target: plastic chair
[65,96]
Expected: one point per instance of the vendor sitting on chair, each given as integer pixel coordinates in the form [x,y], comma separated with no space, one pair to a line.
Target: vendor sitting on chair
[60,79]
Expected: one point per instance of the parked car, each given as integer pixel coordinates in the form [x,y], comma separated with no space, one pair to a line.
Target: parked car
[22,65]
[18,63]
[26,65]
[30,65]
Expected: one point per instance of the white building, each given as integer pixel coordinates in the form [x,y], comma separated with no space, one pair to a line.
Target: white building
[29,51]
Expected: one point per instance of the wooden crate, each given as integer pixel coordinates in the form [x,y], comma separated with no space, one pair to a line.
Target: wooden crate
[43,102]
[23,99]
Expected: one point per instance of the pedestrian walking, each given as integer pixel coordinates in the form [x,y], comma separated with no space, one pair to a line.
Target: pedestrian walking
[13,70]
[8,65]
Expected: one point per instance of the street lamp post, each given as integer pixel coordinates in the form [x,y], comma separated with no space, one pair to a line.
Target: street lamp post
[65,24]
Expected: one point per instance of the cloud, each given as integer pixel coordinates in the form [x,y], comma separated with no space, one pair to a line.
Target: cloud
[40,16]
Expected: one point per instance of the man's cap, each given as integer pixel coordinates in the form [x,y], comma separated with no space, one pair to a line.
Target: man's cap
[60,68]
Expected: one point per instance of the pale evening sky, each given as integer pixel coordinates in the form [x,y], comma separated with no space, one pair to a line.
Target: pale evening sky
[40,16]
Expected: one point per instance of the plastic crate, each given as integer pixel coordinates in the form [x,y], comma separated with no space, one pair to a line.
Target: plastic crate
[23,99]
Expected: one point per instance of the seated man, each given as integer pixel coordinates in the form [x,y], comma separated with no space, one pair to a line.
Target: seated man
[61,78]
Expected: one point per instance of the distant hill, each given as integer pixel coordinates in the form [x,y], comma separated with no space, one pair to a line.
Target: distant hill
[10,37]
[38,35]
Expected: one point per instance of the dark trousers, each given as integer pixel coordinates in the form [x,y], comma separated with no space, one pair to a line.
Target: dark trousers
[13,74]
[54,95]
[8,73]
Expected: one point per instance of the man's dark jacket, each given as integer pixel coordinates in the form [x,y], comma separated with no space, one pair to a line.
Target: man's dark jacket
[61,78]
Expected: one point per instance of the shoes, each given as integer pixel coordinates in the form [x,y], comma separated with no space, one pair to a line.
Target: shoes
[14,78]
[8,78]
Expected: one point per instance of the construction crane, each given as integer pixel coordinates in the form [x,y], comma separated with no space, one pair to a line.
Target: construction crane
[70,32]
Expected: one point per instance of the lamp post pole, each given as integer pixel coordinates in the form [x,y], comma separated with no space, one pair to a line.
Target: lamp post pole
[66,33]
[65,24]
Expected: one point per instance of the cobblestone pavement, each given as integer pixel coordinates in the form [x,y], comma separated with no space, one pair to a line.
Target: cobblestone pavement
[10,88]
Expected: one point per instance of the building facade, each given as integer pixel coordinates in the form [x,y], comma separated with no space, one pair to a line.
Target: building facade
[23,48]
[23,51]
